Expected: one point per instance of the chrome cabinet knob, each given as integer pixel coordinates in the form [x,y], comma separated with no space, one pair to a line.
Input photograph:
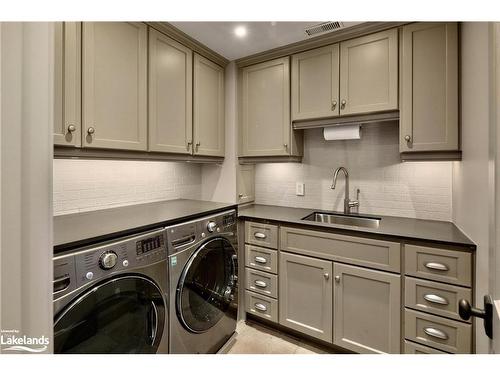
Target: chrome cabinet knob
[91,130]
[407,138]
[326,276]
[342,104]
[71,128]
[188,146]
[337,279]
[334,104]
[285,145]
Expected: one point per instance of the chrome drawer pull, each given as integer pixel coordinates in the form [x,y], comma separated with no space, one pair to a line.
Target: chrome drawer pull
[260,307]
[436,266]
[260,283]
[436,299]
[259,235]
[437,333]
[261,260]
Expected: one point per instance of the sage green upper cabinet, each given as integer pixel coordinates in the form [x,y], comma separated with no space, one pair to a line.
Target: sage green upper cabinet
[170,95]
[265,115]
[245,183]
[315,83]
[369,73]
[209,125]
[305,295]
[429,88]
[367,315]
[67,85]
[115,85]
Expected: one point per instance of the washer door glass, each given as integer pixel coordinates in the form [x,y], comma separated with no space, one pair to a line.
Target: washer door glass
[207,285]
[122,315]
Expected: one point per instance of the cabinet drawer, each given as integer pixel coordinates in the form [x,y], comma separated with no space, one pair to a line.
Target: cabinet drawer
[436,298]
[412,348]
[261,234]
[261,282]
[449,266]
[261,258]
[367,252]
[439,333]
[261,306]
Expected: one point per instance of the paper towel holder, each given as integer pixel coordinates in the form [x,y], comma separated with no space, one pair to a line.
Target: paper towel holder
[342,132]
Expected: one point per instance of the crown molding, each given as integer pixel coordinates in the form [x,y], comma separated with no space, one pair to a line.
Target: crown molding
[181,37]
[319,41]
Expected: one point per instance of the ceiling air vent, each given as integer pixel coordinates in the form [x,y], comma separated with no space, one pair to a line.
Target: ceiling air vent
[323,28]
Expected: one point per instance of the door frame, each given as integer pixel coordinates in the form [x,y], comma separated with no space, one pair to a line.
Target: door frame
[494,183]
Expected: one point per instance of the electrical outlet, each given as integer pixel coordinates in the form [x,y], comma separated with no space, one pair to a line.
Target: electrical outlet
[299,188]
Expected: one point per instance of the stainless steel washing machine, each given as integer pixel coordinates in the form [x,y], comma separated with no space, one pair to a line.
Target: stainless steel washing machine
[203,273]
[112,297]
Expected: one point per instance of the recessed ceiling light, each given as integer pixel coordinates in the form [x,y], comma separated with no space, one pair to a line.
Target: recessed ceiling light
[240,31]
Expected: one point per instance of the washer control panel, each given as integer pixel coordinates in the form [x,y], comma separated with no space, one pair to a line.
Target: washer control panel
[132,252]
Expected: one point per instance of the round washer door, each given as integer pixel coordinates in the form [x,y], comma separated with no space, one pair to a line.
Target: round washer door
[125,314]
[207,285]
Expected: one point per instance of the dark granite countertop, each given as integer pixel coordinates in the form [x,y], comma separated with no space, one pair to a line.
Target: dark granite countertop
[400,227]
[79,229]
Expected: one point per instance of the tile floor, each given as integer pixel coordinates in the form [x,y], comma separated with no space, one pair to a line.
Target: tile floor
[254,338]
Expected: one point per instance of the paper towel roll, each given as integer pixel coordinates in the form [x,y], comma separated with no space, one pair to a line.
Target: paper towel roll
[334,133]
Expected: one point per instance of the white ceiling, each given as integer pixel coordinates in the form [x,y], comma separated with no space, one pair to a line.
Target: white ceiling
[261,36]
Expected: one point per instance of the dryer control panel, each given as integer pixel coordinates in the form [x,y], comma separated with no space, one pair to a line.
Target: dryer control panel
[185,235]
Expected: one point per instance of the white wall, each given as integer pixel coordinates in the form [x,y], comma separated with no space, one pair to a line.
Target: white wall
[388,187]
[470,176]
[26,89]
[219,181]
[85,185]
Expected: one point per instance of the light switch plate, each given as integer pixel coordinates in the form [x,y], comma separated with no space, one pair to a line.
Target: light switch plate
[299,188]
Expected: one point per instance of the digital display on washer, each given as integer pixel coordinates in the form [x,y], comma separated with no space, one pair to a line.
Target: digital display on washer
[149,244]
[228,220]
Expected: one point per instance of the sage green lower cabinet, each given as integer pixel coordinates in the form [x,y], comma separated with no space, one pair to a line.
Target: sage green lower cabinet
[413,348]
[305,295]
[367,310]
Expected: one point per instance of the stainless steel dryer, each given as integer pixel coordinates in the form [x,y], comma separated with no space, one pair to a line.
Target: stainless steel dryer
[111,297]
[202,258]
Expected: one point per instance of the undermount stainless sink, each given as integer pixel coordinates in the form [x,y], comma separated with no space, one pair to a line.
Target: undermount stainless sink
[352,220]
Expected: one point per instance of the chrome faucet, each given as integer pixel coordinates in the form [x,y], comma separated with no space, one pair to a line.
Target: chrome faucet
[348,204]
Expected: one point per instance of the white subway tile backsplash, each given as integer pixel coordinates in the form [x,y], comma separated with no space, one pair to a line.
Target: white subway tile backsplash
[387,186]
[85,185]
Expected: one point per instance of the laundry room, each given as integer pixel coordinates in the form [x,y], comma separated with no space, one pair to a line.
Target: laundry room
[186,182]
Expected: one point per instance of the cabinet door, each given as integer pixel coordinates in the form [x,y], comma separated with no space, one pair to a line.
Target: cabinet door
[315,83]
[305,295]
[114,85]
[67,85]
[369,73]
[170,95]
[367,314]
[246,183]
[209,128]
[429,89]
[265,103]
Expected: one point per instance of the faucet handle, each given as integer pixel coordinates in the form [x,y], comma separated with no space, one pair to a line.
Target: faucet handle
[353,203]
